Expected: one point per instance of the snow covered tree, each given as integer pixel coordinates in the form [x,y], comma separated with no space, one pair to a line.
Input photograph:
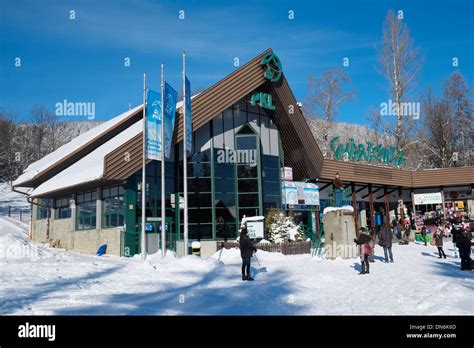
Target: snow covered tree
[279,226]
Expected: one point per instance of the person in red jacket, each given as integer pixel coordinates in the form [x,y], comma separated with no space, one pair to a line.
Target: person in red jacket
[365,249]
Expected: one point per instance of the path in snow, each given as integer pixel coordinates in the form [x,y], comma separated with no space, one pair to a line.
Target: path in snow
[42,281]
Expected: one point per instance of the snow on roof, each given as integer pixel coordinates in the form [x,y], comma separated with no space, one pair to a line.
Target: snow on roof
[90,167]
[37,167]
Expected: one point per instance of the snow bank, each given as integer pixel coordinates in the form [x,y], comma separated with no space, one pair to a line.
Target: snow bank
[13,246]
[344,207]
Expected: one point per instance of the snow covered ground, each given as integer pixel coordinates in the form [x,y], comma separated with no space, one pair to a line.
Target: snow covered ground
[40,281]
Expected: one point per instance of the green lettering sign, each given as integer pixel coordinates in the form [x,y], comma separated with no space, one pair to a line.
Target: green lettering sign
[264,100]
[368,152]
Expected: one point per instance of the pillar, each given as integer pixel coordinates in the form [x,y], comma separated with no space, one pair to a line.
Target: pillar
[354,205]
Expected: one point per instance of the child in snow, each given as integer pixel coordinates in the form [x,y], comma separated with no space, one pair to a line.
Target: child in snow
[365,249]
[438,236]
[246,251]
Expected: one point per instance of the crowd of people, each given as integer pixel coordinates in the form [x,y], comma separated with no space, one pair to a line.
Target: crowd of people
[461,241]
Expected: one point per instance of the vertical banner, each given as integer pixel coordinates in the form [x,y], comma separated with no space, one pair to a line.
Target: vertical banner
[170,99]
[189,125]
[153,126]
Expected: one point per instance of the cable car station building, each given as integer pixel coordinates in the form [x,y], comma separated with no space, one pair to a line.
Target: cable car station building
[246,128]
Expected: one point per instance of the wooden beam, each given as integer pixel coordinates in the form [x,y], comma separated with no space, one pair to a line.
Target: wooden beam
[324,187]
[354,205]
[387,207]
[370,185]
[389,192]
[371,209]
[362,188]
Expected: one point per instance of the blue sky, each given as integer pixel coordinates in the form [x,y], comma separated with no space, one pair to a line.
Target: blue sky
[82,60]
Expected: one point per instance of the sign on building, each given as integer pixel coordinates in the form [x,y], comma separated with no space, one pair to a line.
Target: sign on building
[428,198]
[287,173]
[255,226]
[289,192]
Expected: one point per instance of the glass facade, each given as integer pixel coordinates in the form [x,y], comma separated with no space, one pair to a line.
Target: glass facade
[234,170]
[86,203]
[113,206]
[62,207]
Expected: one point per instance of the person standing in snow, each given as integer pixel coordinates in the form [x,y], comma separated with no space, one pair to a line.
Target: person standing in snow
[455,232]
[365,249]
[386,243]
[423,233]
[246,251]
[438,236]
[463,242]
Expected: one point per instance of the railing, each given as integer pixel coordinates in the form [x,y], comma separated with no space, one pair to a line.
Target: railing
[290,248]
[346,198]
[21,214]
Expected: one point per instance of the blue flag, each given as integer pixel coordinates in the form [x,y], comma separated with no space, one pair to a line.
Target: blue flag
[189,124]
[171,96]
[153,126]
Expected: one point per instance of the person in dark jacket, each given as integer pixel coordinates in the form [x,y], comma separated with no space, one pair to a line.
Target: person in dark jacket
[423,234]
[455,232]
[438,236]
[386,243]
[463,242]
[246,251]
[365,249]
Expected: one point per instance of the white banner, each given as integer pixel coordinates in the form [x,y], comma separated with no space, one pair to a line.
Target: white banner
[428,198]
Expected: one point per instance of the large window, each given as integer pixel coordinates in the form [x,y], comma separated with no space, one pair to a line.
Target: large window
[113,206]
[86,210]
[43,208]
[63,208]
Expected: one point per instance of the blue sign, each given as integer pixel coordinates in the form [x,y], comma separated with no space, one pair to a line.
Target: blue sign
[153,126]
[189,124]
[170,99]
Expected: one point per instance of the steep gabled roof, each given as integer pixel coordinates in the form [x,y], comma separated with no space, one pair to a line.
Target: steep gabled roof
[66,155]
[300,148]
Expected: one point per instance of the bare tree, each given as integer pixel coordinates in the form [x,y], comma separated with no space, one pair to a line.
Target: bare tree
[8,130]
[400,63]
[325,96]
[440,137]
[44,126]
[457,95]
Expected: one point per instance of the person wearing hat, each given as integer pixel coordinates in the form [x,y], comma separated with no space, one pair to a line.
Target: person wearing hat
[365,249]
[246,251]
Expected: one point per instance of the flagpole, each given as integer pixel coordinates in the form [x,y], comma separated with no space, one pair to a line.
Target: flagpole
[143,237]
[185,160]
[163,196]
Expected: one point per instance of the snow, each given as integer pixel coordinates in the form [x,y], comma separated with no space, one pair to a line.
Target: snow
[344,207]
[35,168]
[46,281]
[91,166]
[14,199]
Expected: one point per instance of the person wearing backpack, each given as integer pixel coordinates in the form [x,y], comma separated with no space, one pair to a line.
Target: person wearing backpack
[365,249]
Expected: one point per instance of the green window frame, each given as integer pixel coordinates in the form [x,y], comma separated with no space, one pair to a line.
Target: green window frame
[86,218]
[113,206]
[43,212]
[62,208]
